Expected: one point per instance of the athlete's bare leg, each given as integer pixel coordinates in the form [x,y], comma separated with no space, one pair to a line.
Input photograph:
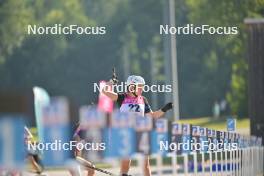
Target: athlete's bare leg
[34,161]
[90,172]
[147,171]
[76,171]
[125,165]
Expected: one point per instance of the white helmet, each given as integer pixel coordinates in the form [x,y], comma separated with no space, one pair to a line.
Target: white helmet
[133,79]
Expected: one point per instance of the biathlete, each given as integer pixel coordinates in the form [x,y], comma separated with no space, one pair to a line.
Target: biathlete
[133,101]
[32,155]
[79,137]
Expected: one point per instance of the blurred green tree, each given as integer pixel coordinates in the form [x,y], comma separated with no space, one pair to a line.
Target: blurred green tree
[211,67]
[14,15]
[229,52]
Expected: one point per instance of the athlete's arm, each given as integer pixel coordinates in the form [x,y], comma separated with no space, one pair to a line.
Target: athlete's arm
[156,114]
[161,112]
[108,92]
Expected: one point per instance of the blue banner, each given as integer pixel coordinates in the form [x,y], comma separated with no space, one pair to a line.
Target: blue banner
[120,138]
[176,135]
[231,124]
[158,135]
[56,132]
[143,126]
[186,138]
[12,144]
[120,143]
[203,139]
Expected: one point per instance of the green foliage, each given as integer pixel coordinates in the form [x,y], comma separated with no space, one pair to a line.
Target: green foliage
[14,15]
[211,67]
[238,94]
[39,60]
[226,60]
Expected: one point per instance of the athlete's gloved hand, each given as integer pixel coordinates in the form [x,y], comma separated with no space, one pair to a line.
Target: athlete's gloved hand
[114,81]
[167,107]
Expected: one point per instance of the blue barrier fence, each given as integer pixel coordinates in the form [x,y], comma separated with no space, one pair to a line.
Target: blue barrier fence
[126,135]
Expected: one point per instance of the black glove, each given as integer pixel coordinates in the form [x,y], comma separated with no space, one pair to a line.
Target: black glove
[114,81]
[167,107]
